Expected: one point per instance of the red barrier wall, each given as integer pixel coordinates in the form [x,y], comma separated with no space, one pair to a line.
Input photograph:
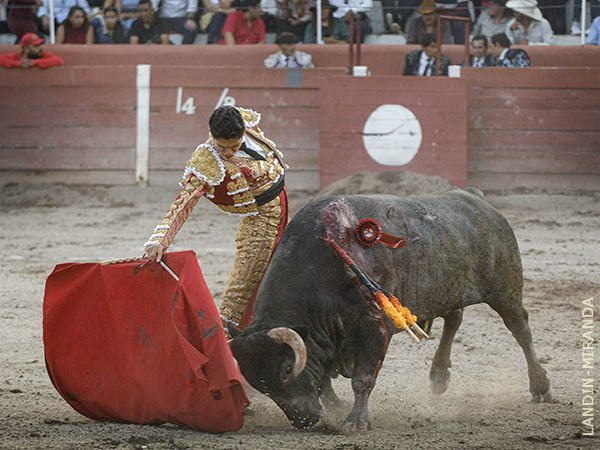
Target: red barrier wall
[433,108]
[537,121]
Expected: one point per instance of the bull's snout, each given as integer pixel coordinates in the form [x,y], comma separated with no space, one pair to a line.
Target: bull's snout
[303,421]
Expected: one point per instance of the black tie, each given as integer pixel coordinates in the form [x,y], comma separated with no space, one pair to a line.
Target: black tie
[254,154]
[428,68]
[285,63]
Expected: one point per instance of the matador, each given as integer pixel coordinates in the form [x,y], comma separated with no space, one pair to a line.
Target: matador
[242,172]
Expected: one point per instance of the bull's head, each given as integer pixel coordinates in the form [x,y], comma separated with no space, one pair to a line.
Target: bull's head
[273,362]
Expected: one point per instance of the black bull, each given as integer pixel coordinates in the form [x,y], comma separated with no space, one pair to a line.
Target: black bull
[460,251]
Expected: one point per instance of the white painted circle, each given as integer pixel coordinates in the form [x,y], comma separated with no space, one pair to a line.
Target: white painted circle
[392,135]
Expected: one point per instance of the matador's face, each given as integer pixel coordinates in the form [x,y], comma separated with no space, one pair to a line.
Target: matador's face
[228,147]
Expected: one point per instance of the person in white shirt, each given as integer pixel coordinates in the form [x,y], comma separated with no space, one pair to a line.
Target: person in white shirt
[422,62]
[528,26]
[288,56]
[178,16]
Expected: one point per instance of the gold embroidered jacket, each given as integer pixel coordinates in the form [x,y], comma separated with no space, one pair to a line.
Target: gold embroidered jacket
[231,184]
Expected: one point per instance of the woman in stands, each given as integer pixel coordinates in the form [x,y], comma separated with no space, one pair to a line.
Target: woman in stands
[109,31]
[76,28]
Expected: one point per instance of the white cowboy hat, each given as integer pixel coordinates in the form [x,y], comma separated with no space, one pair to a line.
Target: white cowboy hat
[526,7]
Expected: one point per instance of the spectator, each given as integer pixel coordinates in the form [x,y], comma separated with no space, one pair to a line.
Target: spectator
[21,17]
[294,16]
[288,56]
[555,12]
[479,53]
[528,25]
[31,55]
[594,12]
[423,62]
[506,56]
[179,16]
[594,36]
[455,8]
[147,29]
[110,30]
[62,9]
[333,30]
[427,23]
[76,28]
[127,9]
[397,12]
[245,26]
[492,20]
[213,19]
[269,11]
[350,10]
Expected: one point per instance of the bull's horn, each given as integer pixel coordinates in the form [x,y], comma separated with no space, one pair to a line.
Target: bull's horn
[283,335]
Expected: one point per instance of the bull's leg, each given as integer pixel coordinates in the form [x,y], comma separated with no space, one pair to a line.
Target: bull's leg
[439,375]
[515,318]
[372,342]
[328,396]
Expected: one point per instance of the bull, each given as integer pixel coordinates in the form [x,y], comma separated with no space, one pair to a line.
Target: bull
[314,320]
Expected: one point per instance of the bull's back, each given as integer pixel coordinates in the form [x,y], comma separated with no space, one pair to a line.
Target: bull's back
[459,251]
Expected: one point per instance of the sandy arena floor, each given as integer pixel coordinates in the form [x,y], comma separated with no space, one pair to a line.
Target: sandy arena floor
[486,406]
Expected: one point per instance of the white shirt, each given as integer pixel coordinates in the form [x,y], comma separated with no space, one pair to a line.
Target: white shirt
[478,62]
[357,6]
[540,32]
[426,65]
[175,8]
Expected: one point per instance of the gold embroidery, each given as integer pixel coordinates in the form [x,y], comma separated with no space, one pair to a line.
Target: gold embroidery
[205,164]
[255,238]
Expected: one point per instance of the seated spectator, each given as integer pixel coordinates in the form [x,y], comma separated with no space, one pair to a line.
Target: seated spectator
[333,30]
[127,9]
[110,30]
[147,29]
[397,12]
[293,16]
[62,9]
[350,10]
[21,17]
[528,25]
[455,8]
[427,23]
[423,62]
[213,19]
[179,16]
[594,36]
[288,56]
[31,55]
[492,20]
[594,12]
[479,53]
[506,56]
[76,29]
[244,26]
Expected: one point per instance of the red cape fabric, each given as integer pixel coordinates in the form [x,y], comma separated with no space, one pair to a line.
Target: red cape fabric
[126,342]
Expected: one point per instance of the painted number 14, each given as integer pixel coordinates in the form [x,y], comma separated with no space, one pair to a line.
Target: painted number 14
[188,106]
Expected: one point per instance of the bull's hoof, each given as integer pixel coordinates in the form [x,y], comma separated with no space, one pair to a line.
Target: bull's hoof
[546,397]
[439,381]
[355,426]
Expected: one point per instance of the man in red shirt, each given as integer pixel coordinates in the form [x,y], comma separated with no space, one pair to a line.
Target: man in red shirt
[244,26]
[31,55]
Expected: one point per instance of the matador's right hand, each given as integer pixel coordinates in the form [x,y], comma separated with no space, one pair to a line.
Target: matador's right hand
[154,252]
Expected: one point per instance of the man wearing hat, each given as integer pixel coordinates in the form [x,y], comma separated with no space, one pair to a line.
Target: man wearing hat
[31,55]
[288,56]
[528,26]
[427,23]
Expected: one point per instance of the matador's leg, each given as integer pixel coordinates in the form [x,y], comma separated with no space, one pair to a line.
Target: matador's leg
[255,240]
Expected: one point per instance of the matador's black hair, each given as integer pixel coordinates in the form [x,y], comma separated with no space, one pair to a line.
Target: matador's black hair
[226,123]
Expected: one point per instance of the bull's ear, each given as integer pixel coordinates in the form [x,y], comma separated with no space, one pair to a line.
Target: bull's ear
[302,331]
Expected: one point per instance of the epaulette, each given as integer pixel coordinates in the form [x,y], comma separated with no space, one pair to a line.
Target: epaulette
[206,165]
